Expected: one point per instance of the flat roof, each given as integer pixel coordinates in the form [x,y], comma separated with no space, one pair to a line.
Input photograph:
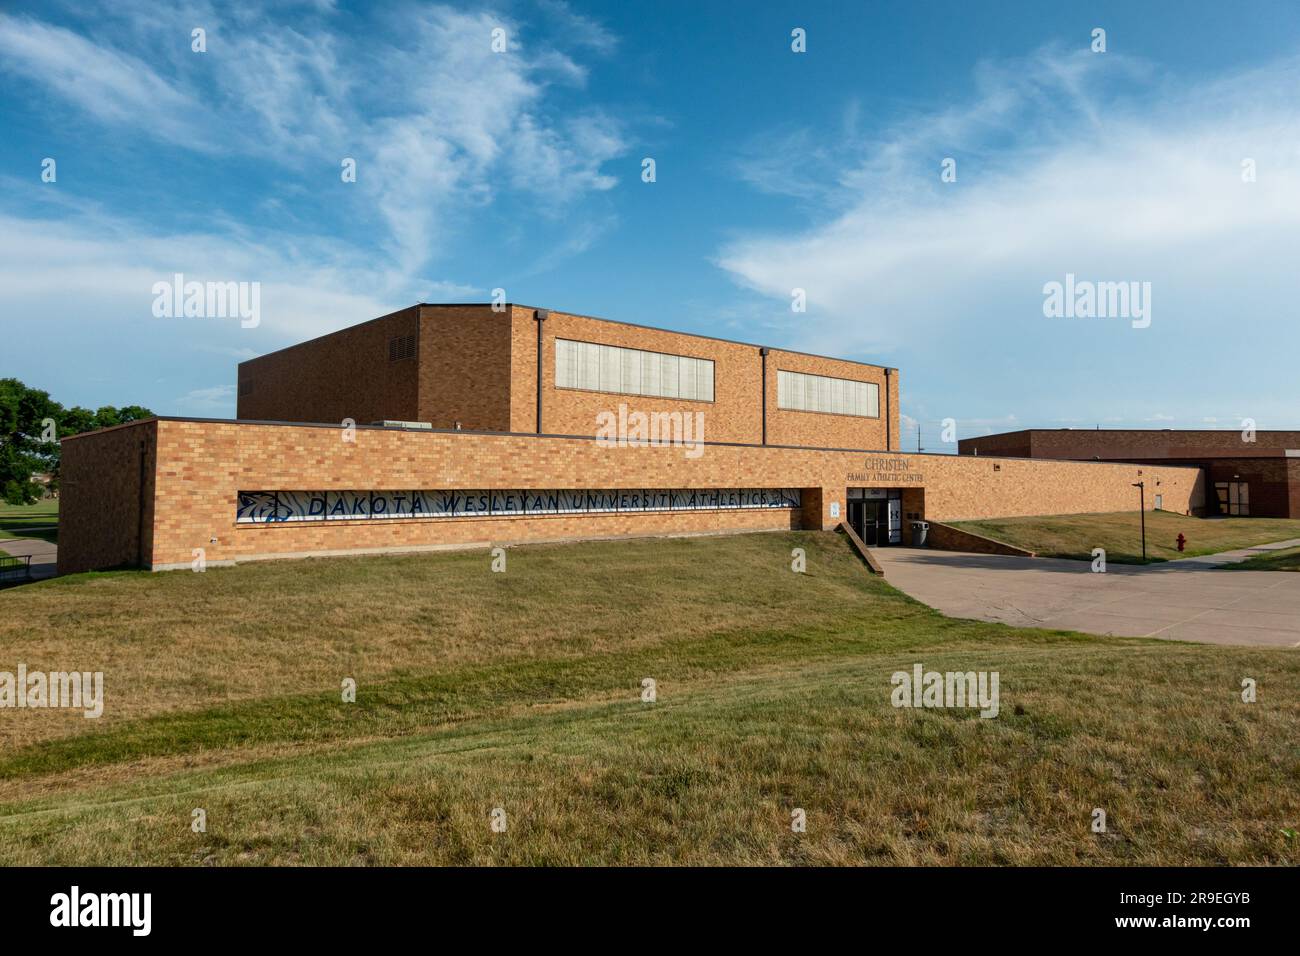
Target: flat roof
[576,315]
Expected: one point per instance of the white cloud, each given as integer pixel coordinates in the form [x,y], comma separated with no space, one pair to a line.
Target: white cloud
[1066,163]
[90,271]
[216,401]
[112,85]
[438,123]
[578,28]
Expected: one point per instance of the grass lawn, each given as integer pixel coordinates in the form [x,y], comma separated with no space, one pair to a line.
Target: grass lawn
[1287,559]
[522,690]
[1074,536]
[40,520]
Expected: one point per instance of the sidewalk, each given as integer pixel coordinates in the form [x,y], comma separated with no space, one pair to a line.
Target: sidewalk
[1232,557]
[44,555]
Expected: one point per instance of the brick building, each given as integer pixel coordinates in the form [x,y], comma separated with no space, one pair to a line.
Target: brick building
[469,364]
[460,425]
[1247,472]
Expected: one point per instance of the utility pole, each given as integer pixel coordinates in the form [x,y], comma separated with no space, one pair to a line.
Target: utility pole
[1142,513]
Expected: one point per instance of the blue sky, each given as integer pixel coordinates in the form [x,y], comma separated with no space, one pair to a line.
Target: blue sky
[775,170]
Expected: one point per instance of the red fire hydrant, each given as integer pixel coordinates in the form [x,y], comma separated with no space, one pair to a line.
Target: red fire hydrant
[1181,541]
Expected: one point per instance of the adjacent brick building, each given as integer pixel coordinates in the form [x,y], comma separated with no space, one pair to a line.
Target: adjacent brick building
[752,439]
[1248,472]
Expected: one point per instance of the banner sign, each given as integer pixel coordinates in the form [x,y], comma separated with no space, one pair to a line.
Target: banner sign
[273,506]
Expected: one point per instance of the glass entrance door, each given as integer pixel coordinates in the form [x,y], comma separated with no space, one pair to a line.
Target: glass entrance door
[856,509]
[868,520]
[875,514]
[1234,497]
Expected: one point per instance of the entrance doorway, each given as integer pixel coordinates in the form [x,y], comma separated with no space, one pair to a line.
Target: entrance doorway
[869,519]
[1233,496]
[876,515]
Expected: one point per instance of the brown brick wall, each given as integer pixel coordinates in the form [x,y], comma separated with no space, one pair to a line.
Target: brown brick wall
[1132,444]
[100,521]
[1293,487]
[464,367]
[1274,483]
[1010,445]
[342,375]
[1110,444]
[205,464]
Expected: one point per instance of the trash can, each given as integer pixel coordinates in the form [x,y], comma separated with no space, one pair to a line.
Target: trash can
[919,529]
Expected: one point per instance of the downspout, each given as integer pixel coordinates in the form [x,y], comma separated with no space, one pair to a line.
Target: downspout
[539,316]
[139,530]
[889,415]
[763,390]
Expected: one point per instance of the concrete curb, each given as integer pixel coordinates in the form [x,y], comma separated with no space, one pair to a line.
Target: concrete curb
[860,546]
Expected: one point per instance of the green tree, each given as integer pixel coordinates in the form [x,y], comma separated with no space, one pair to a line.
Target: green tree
[28,416]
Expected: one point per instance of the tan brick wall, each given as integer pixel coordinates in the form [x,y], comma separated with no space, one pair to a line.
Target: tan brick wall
[203,465]
[523,373]
[958,487]
[823,430]
[734,415]
[1262,464]
[479,367]
[947,538]
[100,524]
[342,375]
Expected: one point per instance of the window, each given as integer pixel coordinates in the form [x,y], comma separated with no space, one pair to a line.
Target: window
[272,507]
[609,368]
[799,392]
[245,386]
[401,347]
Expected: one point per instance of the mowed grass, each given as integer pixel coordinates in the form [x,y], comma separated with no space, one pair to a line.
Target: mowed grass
[1288,559]
[1074,536]
[39,520]
[523,690]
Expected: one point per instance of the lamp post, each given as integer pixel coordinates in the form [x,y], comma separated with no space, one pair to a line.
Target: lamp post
[1142,513]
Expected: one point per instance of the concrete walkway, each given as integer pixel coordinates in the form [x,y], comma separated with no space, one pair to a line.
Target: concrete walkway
[1183,600]
[1236,557]
[44,556]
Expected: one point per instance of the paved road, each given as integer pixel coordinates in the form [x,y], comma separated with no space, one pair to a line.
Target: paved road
[1184,600]
[44,556]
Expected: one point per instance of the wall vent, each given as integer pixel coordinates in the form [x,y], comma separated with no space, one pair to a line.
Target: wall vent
[401,347]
